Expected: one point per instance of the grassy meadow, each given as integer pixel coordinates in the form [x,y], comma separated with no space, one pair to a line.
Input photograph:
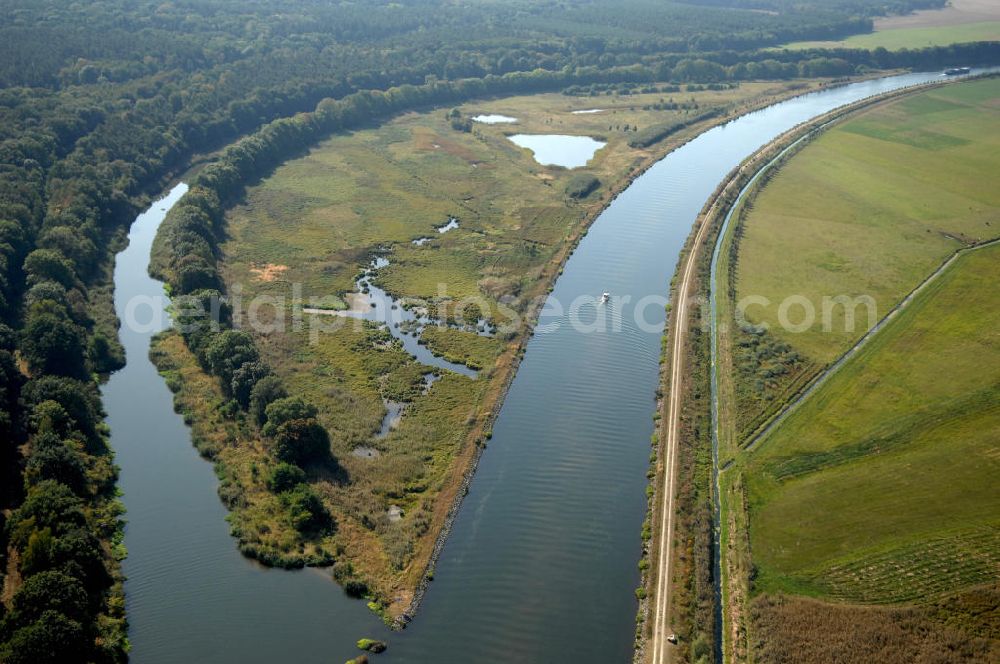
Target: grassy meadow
[894,39]
[881,487]
[313,225]
[879,490]
[871,208]
[842,231]
[317,218]
[960,21]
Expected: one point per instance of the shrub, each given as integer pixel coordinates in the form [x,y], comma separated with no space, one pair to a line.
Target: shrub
[372,645]
[301,442]
[305,510]
[282,410]
[245,378]
[356,589]
[50,505]
[582,185]
[285,477]
[53,345]
[47,591]
[229,351]
[52,459]
[53,638]
[266,391]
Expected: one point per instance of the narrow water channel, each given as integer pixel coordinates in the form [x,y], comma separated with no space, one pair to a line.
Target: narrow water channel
[541,563]
[190,595]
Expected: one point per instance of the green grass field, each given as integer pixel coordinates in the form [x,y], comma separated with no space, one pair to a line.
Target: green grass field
[882,486]
[871,208]
[917,37]
[843,231]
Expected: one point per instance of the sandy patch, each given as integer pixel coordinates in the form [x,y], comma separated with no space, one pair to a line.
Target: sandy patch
[269,272]
[357,303]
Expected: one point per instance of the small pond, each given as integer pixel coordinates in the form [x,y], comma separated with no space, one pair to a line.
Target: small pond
[494,118]
[559,149]
[450,226]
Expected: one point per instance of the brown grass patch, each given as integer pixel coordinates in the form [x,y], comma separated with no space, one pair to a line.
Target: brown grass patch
[962,628]
[428,139]
[12,578]
[269,272]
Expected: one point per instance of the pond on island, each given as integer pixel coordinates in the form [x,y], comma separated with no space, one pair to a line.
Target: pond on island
[494,118]
[559,149]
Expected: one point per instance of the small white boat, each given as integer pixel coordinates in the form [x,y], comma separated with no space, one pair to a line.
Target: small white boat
[605,297]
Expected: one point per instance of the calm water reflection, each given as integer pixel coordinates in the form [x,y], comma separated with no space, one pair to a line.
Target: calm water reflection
[557,149]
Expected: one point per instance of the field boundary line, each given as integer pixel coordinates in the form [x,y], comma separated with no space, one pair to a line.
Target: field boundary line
[832,369]
[780,148]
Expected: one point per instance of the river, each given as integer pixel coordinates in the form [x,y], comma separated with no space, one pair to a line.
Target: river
[190,595]
[541,562]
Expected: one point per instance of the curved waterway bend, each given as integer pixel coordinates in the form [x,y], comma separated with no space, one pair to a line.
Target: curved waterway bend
[190,595]
[541,562]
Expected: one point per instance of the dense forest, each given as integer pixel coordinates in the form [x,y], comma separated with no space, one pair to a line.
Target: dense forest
[102,102]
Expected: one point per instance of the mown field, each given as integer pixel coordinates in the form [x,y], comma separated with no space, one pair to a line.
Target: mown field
[958,22]
[853,223]
[880,488]
[899,38]
[313,225]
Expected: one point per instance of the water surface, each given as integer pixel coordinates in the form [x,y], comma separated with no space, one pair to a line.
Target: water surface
[559,149]
[405,324]
[494,118]
[450,226]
